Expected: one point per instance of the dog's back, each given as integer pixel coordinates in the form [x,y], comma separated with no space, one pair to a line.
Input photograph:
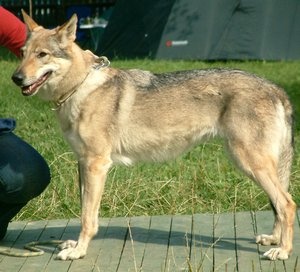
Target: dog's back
[176,110]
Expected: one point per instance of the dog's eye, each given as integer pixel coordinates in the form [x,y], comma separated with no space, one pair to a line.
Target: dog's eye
[42,54]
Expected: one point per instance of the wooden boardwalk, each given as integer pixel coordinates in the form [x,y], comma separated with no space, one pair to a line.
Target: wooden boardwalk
[200,242]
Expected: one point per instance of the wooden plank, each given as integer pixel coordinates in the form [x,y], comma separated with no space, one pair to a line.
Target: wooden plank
[296,248]
[70,231]
[247,250]
[134,248]
[224,242]
[31,233]
[88,263]
[265,221]
[264,225]
[202,242]
[112,245]
[180,243]
[14,230]
[52,231]
[201,256]
[157,246]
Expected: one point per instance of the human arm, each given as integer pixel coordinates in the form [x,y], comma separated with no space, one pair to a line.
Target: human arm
[12,31]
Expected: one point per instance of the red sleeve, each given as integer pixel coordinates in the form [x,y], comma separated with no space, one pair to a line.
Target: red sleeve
[12,31]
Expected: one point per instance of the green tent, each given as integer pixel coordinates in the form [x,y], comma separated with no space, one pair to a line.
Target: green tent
[204,30]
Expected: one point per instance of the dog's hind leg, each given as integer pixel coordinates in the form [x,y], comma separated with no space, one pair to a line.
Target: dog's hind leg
[284,169]
[284,208]
[93,173]
[262,166]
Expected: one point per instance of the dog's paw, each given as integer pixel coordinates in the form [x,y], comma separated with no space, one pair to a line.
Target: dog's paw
[68,244]
[267,240]
[277,254]
[71,254]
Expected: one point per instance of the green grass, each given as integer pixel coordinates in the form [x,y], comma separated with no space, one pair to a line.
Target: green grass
[203,180]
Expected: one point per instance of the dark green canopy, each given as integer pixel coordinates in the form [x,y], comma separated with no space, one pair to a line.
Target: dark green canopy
[204,29]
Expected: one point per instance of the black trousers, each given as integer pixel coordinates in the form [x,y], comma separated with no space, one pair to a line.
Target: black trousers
[24,174]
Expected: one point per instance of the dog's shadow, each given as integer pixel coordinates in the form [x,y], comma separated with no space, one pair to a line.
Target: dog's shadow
[134,234]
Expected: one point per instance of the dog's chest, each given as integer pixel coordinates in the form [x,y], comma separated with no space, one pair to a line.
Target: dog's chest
[68,117]
[70,113]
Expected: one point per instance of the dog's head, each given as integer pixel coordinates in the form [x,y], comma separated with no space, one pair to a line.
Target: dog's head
[45,57]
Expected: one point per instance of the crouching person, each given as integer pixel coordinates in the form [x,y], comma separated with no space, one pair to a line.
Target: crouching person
[24,174]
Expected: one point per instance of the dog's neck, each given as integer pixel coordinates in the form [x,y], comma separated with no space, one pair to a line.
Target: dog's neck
[63,99]
[94,63]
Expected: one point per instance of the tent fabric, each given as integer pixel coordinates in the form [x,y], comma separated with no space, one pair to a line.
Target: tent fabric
[135,27]
[204,30]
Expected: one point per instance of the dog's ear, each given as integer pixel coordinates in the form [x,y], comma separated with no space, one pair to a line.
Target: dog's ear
[30,23]
[67,32]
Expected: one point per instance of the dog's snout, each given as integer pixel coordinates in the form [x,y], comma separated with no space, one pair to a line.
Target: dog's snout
[18,78]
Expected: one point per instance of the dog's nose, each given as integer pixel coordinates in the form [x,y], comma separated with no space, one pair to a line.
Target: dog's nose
[18,78]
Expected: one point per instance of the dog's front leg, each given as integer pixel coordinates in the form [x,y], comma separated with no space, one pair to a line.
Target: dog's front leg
[93,173]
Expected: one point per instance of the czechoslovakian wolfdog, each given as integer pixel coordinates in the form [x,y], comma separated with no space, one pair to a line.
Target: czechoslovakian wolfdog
[109,115]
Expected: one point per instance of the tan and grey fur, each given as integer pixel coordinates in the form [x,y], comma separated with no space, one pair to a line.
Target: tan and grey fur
[110,115]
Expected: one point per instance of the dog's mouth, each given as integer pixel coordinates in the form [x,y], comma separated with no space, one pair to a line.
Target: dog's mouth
[32,88]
